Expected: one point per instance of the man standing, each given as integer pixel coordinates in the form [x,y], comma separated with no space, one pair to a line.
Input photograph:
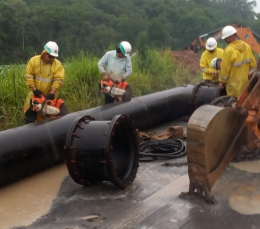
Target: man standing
[117,66]
[237,62]
[44,76]
[212,51]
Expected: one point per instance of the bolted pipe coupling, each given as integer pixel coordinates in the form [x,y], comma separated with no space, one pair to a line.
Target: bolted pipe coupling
[103,150]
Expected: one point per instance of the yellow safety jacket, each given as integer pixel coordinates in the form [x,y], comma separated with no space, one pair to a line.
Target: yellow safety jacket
[237,61]
[44,76]
[205,63]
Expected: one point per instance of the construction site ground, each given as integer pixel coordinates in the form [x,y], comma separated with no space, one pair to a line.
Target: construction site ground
[151,202]
[188,59]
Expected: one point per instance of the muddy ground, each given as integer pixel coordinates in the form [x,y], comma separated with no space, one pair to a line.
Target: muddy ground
[188,59]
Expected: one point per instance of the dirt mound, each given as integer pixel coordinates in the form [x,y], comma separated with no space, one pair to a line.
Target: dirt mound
[188,59]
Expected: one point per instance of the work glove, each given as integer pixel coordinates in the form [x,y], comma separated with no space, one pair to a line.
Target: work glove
[37,93]
[49,97]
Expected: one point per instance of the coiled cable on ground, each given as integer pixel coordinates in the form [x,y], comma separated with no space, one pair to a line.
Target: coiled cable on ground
[161,149]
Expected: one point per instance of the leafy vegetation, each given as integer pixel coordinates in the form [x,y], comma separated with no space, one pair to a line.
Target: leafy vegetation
[85,29]
[81,90]
[94,25]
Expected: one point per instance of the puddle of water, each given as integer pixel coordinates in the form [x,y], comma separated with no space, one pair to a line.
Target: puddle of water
[248,166]
[245,196]
[246,205]
[23,202]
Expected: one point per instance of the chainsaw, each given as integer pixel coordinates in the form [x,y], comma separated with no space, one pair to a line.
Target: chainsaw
[113,89]
[46,107]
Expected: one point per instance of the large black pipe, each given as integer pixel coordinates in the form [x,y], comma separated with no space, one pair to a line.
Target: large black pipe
[34,147]
[103,151]
[204,93]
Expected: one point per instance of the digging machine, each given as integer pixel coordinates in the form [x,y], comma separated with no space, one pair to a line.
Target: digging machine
[217,132]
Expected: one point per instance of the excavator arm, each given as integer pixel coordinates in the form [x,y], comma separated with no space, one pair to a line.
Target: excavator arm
[245,34]
[216,134]
[250,37]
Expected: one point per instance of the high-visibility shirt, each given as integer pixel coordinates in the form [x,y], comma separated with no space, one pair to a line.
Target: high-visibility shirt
[44,76]
[237,62]
[115,67]
[205,62]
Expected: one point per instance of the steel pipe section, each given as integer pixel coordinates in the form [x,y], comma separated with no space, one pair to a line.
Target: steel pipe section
[34,147]
[103,151]
[205,93]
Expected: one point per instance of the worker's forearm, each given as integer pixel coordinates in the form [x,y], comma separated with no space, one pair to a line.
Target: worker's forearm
[224,72]
[221,79]
[56,85]
[33,87]
[127,74]
[101,68]
[29,80]
[53,91]
[208,70]
[128,69]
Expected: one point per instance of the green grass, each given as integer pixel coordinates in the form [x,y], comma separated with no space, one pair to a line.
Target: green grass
[156,72]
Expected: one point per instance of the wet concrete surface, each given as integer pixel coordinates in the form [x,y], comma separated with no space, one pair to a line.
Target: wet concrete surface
[153,202]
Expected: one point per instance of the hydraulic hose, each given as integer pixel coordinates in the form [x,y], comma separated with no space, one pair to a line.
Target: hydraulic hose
[161,149]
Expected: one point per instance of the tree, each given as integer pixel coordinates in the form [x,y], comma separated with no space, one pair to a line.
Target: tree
[93,25]
[14,18]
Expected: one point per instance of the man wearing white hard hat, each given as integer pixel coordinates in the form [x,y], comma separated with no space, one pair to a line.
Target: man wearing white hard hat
[44,76]
[216,63]
[237,62]
[116,66]
[212,51]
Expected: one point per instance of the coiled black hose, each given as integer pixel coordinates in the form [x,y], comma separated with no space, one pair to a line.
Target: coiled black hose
[161,149]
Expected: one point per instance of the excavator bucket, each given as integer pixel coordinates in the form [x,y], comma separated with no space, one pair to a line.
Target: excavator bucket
[214,135]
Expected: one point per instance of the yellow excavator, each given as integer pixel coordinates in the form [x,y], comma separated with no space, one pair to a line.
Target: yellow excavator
[244,33]
[217,132]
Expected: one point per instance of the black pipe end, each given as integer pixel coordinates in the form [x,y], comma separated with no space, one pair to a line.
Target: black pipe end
[103,151]
[122,151]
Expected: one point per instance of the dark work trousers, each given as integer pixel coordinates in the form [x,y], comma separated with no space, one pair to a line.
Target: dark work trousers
[109,99]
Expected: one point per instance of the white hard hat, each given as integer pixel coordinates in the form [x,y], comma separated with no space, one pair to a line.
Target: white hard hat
[211,43]
[52,48]
[214,63]
[228,31]
[125,48]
